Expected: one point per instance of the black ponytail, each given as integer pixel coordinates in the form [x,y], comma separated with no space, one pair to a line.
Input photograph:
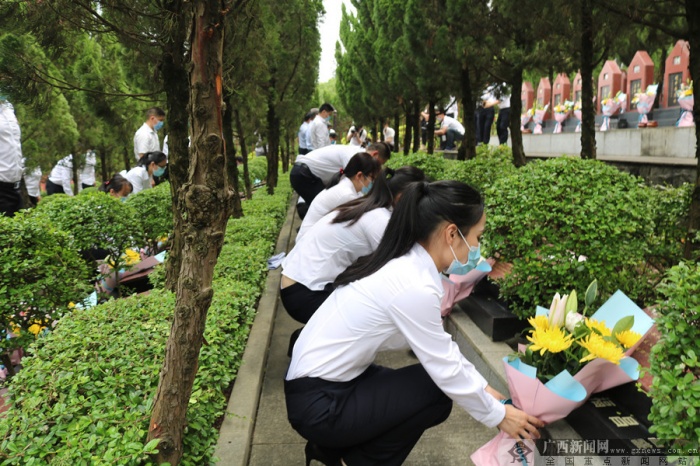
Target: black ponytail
[360,162]
[156,157]
[420,211]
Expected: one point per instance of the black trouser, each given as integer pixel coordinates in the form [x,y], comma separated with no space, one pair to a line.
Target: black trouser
[10,198]
[305,183]
[85,186]
[484,121]
[301,302]
[502,125]
[303,151]
[53,188]
[374,419]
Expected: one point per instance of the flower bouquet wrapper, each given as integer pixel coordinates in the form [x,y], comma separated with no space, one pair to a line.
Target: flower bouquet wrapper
[644,103]
[578,114]
[686,118]
[524,120]
[539,119]
[559,117]
[459,287]
[609,110]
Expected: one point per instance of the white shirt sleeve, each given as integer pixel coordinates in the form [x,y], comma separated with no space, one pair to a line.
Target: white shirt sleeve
[10,145]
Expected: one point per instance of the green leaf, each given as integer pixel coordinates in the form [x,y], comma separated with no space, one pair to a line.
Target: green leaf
[623,324]
[591,293]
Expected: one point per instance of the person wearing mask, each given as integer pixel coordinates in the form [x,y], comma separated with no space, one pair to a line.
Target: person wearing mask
[353,411]
[87,174]
[318,128]
[389,134]
[351,182]
[32,180]
[11,166]
[336,241]
[503,115]
[312,172]
[146,137]
[334,137]
[61,177]
[304,132]
[117,186]
[151,164]
[451,129]
[357,136]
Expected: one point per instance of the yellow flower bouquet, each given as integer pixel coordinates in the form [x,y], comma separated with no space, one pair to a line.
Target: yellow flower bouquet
[686,101]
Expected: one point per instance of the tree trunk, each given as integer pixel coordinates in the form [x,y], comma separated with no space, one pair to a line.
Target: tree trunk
[231,165]
[660,79]
[692,247]
[397,124]
[467,149]
[416,126]
[244,154]
[516,109]
[588,144]
[431,126]
[409,130]
[273,141]
[177,89]
[127,158]
[206,202]
[104,169]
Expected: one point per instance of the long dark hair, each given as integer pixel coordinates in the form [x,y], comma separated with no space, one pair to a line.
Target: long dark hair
[421,209]
[155,157]
[360,162]
[385,189]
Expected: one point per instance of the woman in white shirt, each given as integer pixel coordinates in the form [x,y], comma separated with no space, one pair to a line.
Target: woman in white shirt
[337,240]
[61,177]
[353,181]
[150,165]
[354,412]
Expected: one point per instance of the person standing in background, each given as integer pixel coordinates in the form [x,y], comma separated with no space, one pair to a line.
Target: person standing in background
[485,115]
[87,174]
[10,159]
[333,136]
[61,176]
[503,115]
[32,180]
[452,109]
[319,136]
[357,136]
[146,137]
[303,134]
[389,134]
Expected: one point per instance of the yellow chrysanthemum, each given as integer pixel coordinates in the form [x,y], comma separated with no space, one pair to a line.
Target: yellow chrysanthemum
[552,339]
[34,329]
[598,325]
[71,305]
[597,347]
[628,338]
[131,257]
[540,322]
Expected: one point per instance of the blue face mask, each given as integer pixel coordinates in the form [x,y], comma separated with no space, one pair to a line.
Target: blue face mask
[458,268]
[158,126]
[123,199]
[366,189]
[159,171]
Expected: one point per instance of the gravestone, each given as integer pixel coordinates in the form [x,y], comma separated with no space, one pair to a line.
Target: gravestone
[527,95]
[544,95]
[640,74]
[562,89]
[609,82]
[677,73]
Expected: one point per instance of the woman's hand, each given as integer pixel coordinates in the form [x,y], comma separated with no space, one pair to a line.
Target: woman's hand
[494,393]
[518,424]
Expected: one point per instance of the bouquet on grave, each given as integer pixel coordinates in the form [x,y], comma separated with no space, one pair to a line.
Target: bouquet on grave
[561,113]
[525,118]
[538,118]
[578,114]
[569,358]
[644,101]
[686,101]
[609,106]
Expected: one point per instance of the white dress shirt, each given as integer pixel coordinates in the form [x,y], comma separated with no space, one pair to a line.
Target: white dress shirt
[145,140]
[355,139]
[32,181]
[327,200]
[62,174]
[452,124]
[399,302]
[327,249]
[10,145]
[389,134]
[319,136]
[139,178]
[328,161]
[87,174]
[303,130]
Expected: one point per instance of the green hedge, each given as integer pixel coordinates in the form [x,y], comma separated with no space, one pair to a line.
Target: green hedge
[155,210]
[85,395]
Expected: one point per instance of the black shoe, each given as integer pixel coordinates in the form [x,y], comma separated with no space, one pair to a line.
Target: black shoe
[324,455]
[293,339]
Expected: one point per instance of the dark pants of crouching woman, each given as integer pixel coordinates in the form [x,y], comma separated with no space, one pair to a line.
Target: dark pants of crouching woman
[374,419]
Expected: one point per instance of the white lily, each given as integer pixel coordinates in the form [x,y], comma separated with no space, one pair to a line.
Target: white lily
[572,319]
[557,311]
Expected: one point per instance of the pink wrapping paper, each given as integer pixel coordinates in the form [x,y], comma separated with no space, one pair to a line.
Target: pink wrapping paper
[538,119]
[459,287]
[686,118]
[608,111]
[578,114]
[644,106]
[524,120]
[560,118]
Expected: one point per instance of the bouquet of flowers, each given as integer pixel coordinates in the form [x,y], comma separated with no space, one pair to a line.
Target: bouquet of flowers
[686,101]
[578,114]
[538,118]
[525,118]
[644,101]
[610,106]
[569,358]
[561,113]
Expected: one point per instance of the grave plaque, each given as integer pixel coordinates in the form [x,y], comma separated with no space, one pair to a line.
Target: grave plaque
[562,89]
[578,85]
[677,73]
[544,95]
[527,96]
[640,74]
[609,82]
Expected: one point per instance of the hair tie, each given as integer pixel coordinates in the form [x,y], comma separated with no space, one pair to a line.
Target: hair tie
[107,183]
[342,172]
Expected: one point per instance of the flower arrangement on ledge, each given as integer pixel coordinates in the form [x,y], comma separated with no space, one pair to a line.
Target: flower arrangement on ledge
[686,101]
[609,106]
[577,113]
[538,117]
[525,119]
[644,101]
[561,113]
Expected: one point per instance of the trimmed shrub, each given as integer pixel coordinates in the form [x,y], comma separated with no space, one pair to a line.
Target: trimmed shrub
[432,165]
[490,164]
[670,207]
[155,209]
[564,222]
[674,363]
